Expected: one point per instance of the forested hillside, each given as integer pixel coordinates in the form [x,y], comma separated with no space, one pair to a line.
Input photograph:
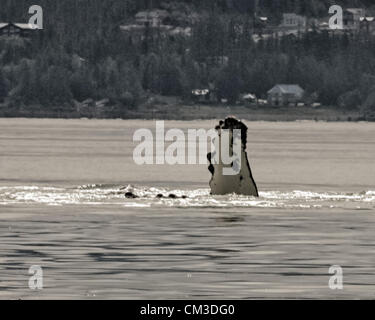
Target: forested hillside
[82,53]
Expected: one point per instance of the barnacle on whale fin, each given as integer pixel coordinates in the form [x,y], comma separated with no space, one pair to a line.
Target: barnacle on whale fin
[241,183]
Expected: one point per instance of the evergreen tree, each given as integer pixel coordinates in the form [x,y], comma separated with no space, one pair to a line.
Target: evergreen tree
[3,87]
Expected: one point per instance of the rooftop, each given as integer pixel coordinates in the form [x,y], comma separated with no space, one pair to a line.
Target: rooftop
[24,26]
[152,14]
[355,10]
[287,88]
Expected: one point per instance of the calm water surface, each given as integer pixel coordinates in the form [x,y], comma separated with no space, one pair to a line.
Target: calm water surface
[62,206]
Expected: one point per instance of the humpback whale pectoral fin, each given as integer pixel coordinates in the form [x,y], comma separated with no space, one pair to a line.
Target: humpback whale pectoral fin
[235,176]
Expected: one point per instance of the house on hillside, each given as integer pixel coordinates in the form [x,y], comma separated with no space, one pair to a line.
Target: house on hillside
[200,95]
[352,17]
[249,99]
[17,29]
[285,94]
[204,96]
[151,18]
[293,21]
[155,22]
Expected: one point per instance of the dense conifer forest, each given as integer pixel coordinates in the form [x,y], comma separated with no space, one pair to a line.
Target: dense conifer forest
[83,54]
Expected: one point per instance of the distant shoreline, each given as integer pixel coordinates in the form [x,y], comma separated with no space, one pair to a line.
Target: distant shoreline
[199,112]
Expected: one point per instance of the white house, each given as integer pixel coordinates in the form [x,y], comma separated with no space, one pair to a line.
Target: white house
[284,94]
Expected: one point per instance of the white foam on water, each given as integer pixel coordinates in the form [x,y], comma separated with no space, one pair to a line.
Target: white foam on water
[97,195]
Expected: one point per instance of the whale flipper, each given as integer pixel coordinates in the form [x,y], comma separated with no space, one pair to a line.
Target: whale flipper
[241,183]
